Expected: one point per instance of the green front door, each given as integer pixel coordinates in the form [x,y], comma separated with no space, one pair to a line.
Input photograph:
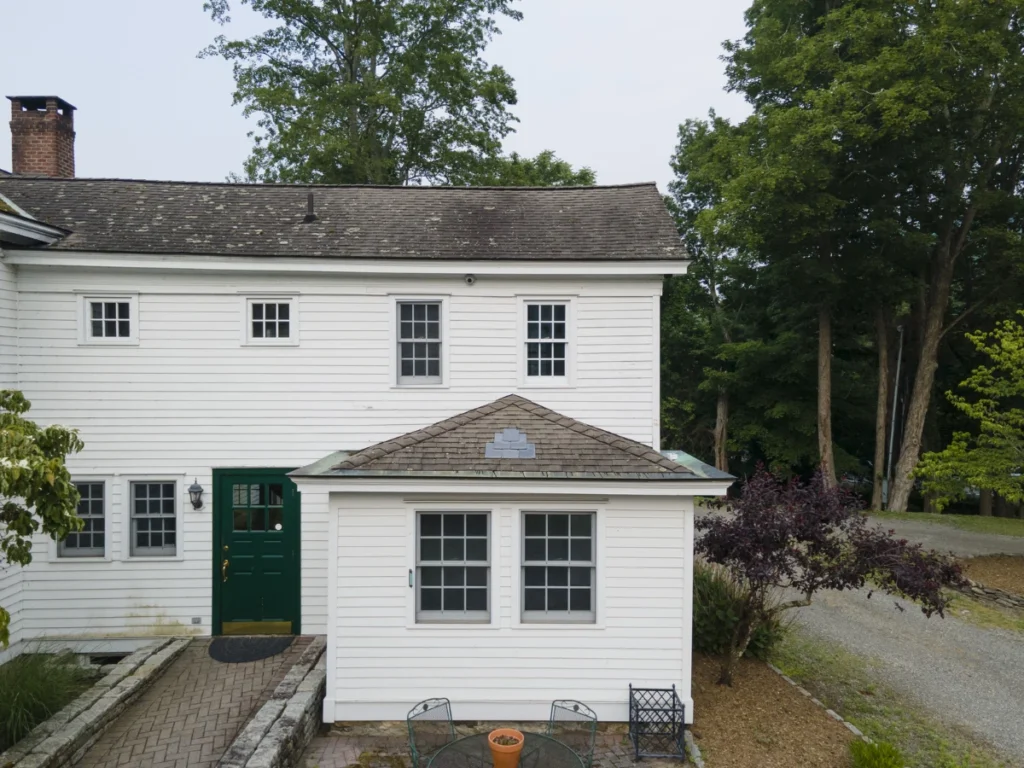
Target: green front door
[256,553]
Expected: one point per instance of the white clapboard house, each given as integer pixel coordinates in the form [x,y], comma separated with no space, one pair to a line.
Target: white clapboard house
[420,421]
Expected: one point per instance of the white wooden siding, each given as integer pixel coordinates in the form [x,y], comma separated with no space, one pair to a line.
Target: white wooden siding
[8,325]
[191,397]
[380,662]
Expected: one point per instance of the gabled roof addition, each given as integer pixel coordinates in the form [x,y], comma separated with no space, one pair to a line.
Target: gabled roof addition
[561,448]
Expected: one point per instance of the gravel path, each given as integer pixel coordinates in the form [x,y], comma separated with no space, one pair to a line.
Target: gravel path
[945,538]
[962,673]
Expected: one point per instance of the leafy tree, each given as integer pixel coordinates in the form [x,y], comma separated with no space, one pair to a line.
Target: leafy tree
[993,459]
[807,538]
[544,170]
[370,92]
[35,483]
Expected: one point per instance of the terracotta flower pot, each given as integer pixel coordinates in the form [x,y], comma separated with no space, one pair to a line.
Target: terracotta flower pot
[505,755]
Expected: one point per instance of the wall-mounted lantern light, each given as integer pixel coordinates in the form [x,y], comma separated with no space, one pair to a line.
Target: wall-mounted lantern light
[195,493]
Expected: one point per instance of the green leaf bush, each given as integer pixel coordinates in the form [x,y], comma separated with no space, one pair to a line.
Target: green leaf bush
[33,687]
[876,755]
[717,602]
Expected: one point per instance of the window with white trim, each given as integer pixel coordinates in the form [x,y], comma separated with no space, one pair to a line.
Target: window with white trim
[109,320]
[154,519]
[91,540]
[271,321]
[558,567]
[453,566]
[546,340]
[419,342]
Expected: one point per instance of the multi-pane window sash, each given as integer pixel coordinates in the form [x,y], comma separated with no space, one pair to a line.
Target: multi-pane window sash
[558,567]
[453,566]
[90,541]
[419,342]
[545,340]
[270,320]
[154,519]
[110,319]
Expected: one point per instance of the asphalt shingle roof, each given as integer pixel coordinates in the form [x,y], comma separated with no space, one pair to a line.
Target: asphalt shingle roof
[564,447]
[352,222]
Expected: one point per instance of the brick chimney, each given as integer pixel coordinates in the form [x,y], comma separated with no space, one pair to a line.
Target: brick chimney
[42,136]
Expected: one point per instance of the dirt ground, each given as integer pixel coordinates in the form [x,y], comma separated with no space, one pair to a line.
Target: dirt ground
[997,571]
[762,722]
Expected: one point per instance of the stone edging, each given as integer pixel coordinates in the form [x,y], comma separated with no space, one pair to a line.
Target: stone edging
[692,750]
[830,712]
[283,727]
[64,738]
[992,595]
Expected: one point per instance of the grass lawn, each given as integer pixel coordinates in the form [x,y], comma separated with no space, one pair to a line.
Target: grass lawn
[850,685]
[1004,526]
[762,721]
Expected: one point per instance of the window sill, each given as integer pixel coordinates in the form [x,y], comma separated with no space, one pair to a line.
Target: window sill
[95,343]
[272,344]
[547,385]
[548,625]
[420,387]
[62,559]
[448,626]
[154,559]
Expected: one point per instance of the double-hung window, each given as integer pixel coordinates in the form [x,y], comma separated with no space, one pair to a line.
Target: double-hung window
[271,321]
[109,320]
[558,567]
[154,519]
[91,540]
[419,342]
[546,342]
[453,566]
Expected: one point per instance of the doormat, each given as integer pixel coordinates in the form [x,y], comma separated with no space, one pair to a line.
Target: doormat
[236,650]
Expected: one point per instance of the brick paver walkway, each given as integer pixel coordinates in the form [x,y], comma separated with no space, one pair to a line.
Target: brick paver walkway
[192,713]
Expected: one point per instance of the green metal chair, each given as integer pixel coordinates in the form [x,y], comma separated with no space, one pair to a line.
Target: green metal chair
[430,728]
[574,724]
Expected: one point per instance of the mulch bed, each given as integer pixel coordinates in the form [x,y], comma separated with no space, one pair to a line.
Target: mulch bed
[762,721]
[996,571]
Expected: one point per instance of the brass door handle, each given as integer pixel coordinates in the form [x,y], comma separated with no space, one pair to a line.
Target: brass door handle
[224,570]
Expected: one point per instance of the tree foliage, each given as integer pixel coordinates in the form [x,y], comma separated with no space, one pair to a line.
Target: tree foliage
[370,92]
[808,537]
[35,484]
[544,170]
[992,458]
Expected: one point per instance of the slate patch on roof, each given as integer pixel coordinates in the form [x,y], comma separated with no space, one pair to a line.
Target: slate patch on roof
[353,222]
[561,447]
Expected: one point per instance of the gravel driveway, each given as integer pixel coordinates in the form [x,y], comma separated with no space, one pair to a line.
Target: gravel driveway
[945,538]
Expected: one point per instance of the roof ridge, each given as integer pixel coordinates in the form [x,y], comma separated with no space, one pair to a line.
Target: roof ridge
[297,185]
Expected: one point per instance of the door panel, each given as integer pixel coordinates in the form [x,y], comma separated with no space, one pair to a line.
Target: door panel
[258,522]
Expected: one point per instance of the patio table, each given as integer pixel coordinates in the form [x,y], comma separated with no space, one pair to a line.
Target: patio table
[539,751]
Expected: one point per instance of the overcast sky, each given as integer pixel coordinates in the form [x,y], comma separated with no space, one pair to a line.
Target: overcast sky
[604,83]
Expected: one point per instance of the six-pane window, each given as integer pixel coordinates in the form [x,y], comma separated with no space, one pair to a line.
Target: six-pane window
[545,340]
[88,542]
[453,566]
[558,566]
[419,342]
[154,519]
[110,319]
[270,320]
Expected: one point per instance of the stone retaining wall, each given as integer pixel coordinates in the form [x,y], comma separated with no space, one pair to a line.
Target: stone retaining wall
[993,595]
[281,729]
[64,738]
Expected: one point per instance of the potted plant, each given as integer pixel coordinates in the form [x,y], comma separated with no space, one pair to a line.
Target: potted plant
[506,744]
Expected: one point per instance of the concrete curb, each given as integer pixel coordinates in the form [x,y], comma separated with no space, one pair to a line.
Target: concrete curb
[831,713]
[279,732]
[62,739]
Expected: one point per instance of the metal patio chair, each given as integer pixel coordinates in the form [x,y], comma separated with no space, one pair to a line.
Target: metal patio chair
[430,728]
[574,724]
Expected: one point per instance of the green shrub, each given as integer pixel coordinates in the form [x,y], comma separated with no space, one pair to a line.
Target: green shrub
[877,755]
[717,601]
[33,687]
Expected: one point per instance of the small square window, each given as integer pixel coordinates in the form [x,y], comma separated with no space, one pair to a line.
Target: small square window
[271,321]
[109,320]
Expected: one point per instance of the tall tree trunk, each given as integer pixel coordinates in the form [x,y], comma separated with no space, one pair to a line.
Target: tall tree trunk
[828,462]
[722,431]
[985,505]
[881,406]
[924,380]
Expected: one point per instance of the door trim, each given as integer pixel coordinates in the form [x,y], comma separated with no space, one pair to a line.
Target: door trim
[220,476]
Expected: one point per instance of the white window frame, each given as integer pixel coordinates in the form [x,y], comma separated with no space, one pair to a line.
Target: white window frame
[567,616]
[454,617]
[85,302]
[57,550]
[292,340]
[397,382]
[547,382]
[128,538]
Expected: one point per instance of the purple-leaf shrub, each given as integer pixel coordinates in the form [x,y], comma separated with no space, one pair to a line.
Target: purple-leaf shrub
[805,537]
